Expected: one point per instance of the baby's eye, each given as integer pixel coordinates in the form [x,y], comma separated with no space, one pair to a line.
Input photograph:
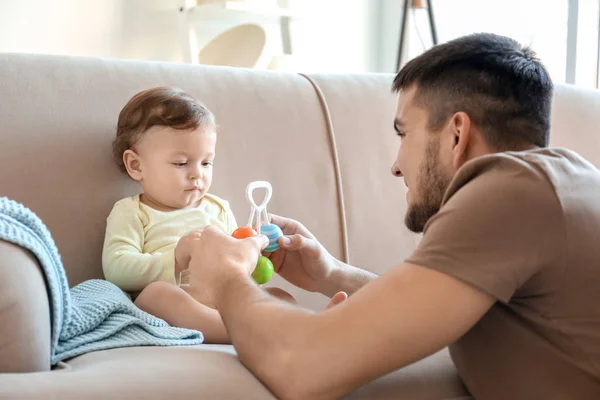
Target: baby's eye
[180,164]
[207,163]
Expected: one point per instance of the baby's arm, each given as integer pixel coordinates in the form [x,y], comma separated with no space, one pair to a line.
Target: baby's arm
[123,260]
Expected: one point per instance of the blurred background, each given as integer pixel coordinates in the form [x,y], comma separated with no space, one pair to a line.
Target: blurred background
[333,36]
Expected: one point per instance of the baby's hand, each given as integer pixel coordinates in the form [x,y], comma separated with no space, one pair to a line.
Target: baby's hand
[183,251]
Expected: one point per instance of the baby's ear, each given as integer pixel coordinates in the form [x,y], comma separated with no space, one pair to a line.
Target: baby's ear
[132,164]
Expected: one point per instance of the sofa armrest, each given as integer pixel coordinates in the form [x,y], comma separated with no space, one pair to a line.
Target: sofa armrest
[24,312]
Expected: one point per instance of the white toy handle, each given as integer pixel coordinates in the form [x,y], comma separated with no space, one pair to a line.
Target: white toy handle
[260,211]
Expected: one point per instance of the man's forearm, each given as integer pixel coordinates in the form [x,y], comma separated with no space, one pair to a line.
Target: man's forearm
[347,278]
[262,329]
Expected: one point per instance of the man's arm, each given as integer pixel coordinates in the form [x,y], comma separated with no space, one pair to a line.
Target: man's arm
[347,278]
[305,263]
[405,315]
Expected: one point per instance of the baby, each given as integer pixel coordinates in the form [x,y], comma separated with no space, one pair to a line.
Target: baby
[166,141]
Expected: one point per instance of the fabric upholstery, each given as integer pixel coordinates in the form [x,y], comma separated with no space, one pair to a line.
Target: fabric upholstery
[204,372]
[24,312]
[57,121]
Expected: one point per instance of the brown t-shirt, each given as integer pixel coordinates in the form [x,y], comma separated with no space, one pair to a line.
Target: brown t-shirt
[525,228]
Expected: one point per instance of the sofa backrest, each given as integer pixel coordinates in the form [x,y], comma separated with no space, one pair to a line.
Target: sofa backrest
[576,121]
[58,116]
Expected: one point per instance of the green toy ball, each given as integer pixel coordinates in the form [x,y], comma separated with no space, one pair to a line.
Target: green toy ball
[263,271]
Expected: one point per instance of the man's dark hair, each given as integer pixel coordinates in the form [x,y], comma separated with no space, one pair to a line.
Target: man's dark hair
[500,84]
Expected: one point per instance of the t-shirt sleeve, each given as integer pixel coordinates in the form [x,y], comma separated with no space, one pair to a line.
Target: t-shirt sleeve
[501,223]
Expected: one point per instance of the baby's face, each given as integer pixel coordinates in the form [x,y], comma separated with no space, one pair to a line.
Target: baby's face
[176,167]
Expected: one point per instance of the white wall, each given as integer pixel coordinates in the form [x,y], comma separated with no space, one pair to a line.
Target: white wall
[541,24]
[148,30]
[331,35]
[144,29]
[587,43]
[336,35]
[390,15]
[64,26]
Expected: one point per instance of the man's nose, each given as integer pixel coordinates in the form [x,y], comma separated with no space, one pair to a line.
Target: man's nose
[396,171]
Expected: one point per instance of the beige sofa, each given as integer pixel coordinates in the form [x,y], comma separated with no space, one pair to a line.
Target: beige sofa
[326,144]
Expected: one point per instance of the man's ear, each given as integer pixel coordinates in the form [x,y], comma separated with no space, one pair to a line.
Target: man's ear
[460,125]
[132,163]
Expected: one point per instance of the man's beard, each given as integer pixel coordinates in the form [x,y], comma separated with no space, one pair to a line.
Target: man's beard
[432,184]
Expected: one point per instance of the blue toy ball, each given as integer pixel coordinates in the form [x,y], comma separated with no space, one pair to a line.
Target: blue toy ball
[273,232]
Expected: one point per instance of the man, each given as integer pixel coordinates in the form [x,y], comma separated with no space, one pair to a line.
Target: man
[507,273]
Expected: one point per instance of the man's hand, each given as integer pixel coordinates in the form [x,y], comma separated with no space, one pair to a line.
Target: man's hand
[302,260]
[217,259]
[183,252]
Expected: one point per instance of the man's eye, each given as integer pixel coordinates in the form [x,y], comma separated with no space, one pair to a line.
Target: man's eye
[180,164]
[401,134]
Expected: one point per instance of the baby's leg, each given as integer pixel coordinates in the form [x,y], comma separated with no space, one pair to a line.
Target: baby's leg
[285,296]
[172,304]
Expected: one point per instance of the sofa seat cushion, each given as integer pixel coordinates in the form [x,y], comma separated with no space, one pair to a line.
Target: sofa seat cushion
[205,372]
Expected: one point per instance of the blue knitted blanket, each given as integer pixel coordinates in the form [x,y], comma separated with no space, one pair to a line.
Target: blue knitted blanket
[94,315]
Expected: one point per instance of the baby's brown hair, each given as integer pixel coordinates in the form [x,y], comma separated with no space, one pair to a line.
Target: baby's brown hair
[164,106]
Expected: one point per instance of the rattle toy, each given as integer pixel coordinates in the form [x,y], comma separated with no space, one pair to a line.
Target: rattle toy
[259,222]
